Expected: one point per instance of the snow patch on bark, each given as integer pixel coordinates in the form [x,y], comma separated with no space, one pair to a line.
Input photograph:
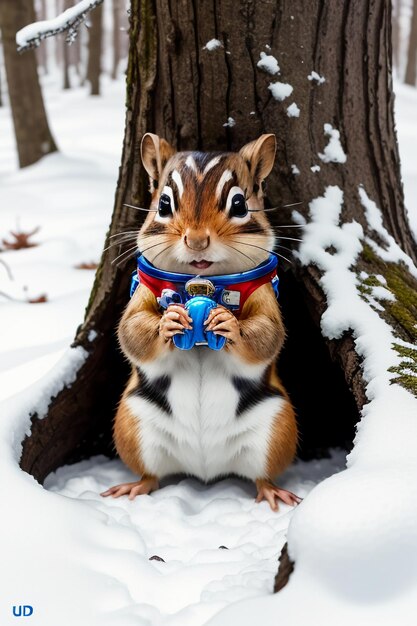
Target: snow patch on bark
[230,122]
[293,110]
[392,251]
[213,44]
[280,91]
[314,76]
[268,63]
[333,152]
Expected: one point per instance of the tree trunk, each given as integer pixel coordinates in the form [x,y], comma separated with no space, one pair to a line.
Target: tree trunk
[66,82]
[33,137]
[410,71]
[42,51]
[116,38]
[94,50]
[396,34]
[185,92]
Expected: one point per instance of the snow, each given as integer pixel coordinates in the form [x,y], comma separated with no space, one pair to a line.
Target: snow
[333,152]
[314,76]
[213,44]
[293,110]
[217,545]
[280,91]
[391,251]
[406,126]
[315,168]
[268,63]
[70,196]
[230,122]
[295,169]
[68,19]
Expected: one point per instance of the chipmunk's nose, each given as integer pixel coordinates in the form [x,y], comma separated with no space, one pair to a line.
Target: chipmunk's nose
[196,239]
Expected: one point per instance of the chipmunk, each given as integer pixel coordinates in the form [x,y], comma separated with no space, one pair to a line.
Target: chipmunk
[203,412]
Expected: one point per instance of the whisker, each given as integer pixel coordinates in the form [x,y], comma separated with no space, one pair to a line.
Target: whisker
[290,238]
[284,248]
[124,253]
[289,226]
[244,243]
[126,259]
[160,243]
[119,243]
[237,250]
[275,208]
[127,232]
[139,208]
[164,250]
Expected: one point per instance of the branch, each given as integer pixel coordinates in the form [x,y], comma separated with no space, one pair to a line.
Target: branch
[31,35]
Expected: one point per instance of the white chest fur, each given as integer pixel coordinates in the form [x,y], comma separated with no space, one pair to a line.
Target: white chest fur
[203,435]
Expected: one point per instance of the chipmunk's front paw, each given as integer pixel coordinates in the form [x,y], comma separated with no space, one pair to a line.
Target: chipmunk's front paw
[139,487]
[174,321]
[270,492]
[222,322]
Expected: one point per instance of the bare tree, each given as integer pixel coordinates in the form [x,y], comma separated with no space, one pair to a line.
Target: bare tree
[94,50]
[116,37]
[215,97]
[410,70]
[33,136]
[396,33]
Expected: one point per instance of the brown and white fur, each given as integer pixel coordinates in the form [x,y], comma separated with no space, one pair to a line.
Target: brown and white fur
[203,412]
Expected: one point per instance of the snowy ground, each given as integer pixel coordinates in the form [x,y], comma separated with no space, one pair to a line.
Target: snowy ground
[406,121]
[189,525]
[89,557]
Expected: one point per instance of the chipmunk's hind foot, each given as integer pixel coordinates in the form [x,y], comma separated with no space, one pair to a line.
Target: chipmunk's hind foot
[271,493]
[140,487]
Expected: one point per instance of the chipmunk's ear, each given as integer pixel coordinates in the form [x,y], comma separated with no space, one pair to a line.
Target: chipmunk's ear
[260,156]
[155,153]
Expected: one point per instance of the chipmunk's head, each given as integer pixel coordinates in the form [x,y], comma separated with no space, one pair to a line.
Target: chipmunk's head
[207,208]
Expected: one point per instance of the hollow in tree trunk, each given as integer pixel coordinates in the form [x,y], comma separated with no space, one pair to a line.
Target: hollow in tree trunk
[216,97]
[33,136]
[94,50]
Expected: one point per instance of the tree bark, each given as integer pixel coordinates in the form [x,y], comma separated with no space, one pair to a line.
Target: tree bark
[411,69]
[186,93]
[94,50]
[33,136]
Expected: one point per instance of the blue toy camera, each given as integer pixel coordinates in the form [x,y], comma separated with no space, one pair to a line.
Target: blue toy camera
[198,306]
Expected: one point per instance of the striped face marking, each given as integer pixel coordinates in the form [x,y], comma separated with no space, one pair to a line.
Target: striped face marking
[211,164]
[224,178]
[189,162]
[176,177]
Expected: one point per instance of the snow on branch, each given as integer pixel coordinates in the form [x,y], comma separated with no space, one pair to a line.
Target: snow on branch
[31,35]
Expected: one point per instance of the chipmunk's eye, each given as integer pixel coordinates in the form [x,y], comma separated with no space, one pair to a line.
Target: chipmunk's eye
[165,207]
[238,206]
